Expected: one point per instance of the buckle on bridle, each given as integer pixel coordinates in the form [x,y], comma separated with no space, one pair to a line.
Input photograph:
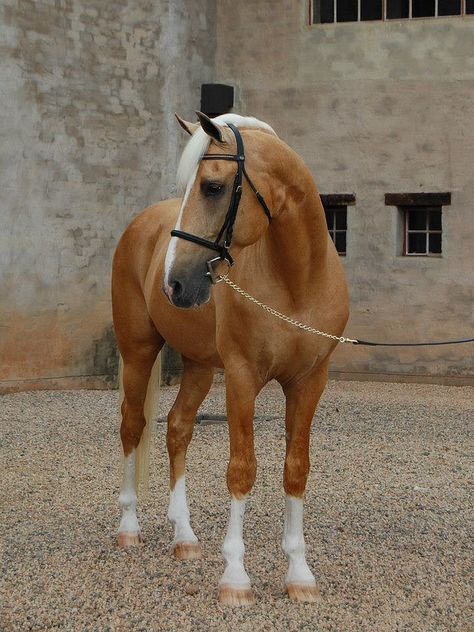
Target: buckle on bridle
[215,278]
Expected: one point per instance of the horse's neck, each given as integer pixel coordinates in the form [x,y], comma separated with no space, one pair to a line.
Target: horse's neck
[297,241]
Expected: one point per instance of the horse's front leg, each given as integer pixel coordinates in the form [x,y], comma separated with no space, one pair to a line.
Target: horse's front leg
[241,391]
[195,384]
[301,401]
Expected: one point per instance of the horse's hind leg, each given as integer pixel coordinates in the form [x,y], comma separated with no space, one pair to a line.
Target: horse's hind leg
[195,384]
[301,401]
[138,361]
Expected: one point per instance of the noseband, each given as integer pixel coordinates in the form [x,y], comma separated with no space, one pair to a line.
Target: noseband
[227,228]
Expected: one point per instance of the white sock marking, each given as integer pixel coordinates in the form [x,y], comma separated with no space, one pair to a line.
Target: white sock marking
[178,513]
[128,497]
[293,543]
[233,548]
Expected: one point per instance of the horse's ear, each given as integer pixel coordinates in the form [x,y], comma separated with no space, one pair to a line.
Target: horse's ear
[186,125]
[212,129]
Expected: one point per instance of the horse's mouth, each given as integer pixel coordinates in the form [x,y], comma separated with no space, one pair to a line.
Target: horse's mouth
[186,298]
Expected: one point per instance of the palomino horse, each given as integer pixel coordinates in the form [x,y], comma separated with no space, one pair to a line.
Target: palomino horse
[289,262]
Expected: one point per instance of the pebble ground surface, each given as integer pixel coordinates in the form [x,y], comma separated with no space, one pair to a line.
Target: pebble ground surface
[387,516]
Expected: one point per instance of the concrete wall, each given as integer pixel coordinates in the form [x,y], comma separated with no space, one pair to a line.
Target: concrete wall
[87,95]
[374,108]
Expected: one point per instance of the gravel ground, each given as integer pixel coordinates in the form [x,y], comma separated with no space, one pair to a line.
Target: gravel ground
[387,516]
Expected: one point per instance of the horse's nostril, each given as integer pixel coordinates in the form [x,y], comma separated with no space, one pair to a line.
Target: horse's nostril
[177,288]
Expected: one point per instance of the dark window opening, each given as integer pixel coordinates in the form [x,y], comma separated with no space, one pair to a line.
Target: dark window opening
[422,230]
[423,8]
[323,11]
[370,10]
[397,9]
[331,11]
[449,7]
[347,10]
[336,219]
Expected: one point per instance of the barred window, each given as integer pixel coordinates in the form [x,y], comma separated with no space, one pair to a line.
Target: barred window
[332,11]
[336,218]
[421,221]
[335,208]
[422,230]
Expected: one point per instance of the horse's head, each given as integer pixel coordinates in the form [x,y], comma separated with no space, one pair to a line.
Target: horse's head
[207,227]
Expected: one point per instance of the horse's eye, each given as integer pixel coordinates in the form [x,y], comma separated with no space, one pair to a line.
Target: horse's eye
[212,189]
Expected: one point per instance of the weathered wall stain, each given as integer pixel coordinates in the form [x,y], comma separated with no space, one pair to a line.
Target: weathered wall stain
[87,95]
[105,357]
[374,107]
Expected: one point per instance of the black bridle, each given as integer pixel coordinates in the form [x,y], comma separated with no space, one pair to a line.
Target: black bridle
[227,229]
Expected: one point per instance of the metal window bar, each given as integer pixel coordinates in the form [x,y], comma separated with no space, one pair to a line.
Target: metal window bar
[427,232]
[462,11]
[333,230]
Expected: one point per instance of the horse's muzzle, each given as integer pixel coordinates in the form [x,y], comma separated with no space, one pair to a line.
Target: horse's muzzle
[186,293]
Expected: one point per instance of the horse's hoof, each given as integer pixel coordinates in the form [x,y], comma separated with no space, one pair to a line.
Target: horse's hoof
[231,596]
[127,539]
[187,550]
[304,593]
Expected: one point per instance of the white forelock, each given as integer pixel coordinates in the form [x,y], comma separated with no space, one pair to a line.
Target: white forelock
[199,143]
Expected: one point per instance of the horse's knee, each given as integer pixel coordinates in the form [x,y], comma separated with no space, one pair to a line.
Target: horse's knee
[241,473]
[179,433]
[130,432]
[131,429]
[295,475]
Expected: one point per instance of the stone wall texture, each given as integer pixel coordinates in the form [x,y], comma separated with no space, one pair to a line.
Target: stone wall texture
[375,108]
[87,95]
[88,139]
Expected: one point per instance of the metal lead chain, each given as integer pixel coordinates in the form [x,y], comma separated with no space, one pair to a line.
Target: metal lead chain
[281,316]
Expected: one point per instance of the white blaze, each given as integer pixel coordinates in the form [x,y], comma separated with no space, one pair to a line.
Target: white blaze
[171,252]
[233,548]
[293,543]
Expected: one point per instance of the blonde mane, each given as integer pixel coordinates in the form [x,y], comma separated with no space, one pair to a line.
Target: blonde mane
[199,143]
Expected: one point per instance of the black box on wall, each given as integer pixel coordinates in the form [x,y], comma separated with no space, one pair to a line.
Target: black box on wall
[216,98]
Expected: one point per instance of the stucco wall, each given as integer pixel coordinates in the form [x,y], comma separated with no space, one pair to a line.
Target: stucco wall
[374,108]
[87,95]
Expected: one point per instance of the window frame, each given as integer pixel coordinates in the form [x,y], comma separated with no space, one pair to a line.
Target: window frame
[427,231]
[406,201]
[384,17]
[333,230]
[337,202]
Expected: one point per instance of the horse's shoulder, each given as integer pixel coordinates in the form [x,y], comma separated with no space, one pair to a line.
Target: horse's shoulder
[139,238]
[155,217]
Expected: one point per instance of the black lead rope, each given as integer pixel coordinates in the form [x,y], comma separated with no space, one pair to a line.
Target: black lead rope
[368,343]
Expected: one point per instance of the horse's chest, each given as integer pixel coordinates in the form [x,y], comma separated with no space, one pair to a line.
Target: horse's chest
[273,346]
